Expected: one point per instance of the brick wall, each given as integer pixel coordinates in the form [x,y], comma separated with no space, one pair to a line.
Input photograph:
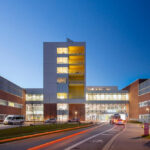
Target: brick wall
[7,110]
[133,100]
[79,108]
[50,111]
[144,97]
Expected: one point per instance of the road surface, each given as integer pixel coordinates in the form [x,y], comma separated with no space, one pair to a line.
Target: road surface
[91,138]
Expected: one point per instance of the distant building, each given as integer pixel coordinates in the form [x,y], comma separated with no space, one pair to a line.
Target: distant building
[12,99]
[139,100]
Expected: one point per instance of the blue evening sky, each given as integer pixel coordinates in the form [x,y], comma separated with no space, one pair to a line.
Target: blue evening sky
[117,33]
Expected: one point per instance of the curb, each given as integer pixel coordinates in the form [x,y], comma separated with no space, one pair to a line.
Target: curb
[43,133]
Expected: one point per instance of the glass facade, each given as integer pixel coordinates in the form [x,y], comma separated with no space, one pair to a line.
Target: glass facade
[144,103]
[144,87]
[61,80]
[62,60]
[144,117]
[9,103]
[61,95]
[34,112]
[34,97]
[62,70]
[62,50]
[107,96]
[62,112]
[102,112]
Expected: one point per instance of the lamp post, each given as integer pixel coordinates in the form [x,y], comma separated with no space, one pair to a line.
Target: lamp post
[147,109]
[146,125]
[76,113]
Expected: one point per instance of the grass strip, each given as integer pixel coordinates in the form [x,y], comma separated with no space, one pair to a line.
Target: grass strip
[33,130]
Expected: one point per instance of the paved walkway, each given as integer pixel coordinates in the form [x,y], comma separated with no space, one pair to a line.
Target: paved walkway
[130,139]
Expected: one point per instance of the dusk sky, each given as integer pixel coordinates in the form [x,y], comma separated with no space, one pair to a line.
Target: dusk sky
[116,32]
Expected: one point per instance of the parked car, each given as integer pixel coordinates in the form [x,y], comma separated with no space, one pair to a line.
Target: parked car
[51,120]
[74,120]
[14,120]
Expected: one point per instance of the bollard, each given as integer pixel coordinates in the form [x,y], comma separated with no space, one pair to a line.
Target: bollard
[146,129]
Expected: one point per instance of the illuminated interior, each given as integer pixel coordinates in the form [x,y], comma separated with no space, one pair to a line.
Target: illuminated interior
[76,59]
[62,112]
[62,60]
[62,70]
[34,112]
[76,49]
[11,104]
[107,96]
[61,80]
[102,112]
[76,72]
[76,91]
[34,97]
[73,69]
[61,95]
[62,50]
[76,79]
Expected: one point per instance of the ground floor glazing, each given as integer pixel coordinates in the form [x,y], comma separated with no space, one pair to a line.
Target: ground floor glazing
[93,112]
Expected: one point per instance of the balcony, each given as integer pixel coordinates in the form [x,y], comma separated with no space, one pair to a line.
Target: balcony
[76,83]
[76,50]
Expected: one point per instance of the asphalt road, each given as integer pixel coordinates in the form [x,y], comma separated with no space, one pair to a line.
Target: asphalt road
[91,138]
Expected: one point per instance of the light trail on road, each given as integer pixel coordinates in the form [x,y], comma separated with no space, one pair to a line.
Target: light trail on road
[67,137]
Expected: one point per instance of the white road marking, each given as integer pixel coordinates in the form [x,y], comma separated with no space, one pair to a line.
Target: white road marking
[107,134]
[107,146]
[97,141]
[87,139]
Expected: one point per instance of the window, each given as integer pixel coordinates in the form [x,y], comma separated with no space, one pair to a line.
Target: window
[34,97]
[62,50]
[62,69]
[3,102]
[62,60]
[11,104]
[61,80]
[62,95]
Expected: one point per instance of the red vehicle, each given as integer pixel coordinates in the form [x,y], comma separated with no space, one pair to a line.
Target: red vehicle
[120,122]
[116,119]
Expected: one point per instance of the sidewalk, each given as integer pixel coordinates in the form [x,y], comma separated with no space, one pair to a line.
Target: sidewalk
[130,139]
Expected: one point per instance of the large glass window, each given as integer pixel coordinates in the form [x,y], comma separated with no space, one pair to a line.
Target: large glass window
[62,112]
[102,112]
[34,112]
[62,50]
[62,69]
[62,60]
[107,96]
[34,97]
[61,80]
[61,95]
[11,104]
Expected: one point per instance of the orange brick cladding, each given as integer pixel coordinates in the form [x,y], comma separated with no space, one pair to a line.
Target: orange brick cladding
[134,109]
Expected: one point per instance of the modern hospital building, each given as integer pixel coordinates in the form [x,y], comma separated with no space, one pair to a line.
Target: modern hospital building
[65,95]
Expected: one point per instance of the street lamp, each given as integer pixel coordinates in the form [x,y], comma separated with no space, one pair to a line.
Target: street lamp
[147,109]
[76,114]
